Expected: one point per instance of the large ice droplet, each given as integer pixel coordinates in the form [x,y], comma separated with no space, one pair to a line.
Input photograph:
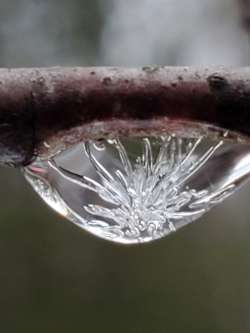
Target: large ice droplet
[135,190]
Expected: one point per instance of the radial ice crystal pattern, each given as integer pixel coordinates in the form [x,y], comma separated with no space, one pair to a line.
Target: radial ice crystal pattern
[135,190]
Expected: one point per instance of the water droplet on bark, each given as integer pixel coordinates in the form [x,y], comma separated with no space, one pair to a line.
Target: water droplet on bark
[135,190]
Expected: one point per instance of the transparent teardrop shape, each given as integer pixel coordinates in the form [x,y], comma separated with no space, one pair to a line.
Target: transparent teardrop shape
[135,190]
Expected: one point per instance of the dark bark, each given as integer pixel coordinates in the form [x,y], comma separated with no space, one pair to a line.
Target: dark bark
[42,110]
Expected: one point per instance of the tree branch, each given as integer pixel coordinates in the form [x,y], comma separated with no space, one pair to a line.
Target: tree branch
[43,110]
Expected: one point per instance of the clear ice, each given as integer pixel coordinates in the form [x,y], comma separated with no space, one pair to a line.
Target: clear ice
[135,190]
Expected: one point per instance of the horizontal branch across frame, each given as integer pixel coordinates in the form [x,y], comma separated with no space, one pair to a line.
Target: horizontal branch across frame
[44,109]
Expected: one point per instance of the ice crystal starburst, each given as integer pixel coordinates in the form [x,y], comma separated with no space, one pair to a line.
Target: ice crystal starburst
[148,194]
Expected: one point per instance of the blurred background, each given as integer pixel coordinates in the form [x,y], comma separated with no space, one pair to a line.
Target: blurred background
[54,277]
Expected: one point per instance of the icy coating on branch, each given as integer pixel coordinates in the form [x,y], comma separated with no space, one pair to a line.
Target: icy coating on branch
[135,190]
[147,198]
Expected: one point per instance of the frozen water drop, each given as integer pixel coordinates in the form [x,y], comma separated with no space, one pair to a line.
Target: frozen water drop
[135,190]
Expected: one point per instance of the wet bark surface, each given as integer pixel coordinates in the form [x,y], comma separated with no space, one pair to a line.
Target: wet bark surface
[42,110]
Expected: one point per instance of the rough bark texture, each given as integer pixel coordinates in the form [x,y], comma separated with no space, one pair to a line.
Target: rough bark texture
[42,110]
